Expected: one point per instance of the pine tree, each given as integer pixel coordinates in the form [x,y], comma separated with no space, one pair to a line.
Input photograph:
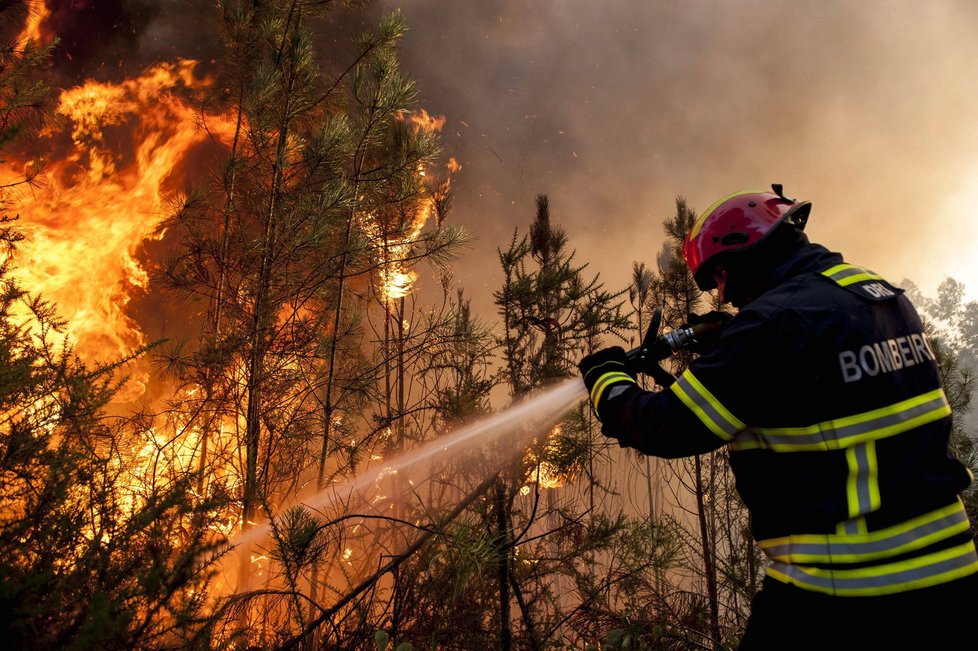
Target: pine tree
[319,215]
[951,324]
[90,555]
[550,313]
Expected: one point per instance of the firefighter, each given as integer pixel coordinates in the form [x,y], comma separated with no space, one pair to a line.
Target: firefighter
[828,396]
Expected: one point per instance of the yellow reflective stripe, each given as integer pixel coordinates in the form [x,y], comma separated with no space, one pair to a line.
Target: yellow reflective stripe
[707,408]
[611,362]
[847,274]
[604,382]
[858,278]
[844,432]
[873,476]
[698,224]
[862,484]
[831,271]
[916,533]
[920,572]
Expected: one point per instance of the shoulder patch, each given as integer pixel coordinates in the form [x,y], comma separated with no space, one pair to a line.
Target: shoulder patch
[862,282]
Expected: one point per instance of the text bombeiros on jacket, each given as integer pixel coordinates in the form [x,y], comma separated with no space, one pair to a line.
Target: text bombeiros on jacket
[885,356]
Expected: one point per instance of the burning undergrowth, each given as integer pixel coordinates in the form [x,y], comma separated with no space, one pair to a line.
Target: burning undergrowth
[276,226]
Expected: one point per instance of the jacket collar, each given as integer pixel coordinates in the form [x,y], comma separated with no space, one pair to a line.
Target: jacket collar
[806,258]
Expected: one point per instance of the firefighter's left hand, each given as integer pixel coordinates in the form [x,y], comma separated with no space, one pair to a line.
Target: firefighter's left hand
[602,371]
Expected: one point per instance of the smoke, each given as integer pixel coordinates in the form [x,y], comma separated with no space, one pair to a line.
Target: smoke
[614,108]
[108,40]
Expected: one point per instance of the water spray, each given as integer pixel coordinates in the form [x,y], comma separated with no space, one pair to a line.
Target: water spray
[520,421]
[539,411]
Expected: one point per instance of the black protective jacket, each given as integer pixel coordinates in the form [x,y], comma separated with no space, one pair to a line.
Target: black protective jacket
[829,397]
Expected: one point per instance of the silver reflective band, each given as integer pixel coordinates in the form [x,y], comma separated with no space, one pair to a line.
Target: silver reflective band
[852,527]
[707,408]
[850,430]
[931,569]
[857,548]
[606,380]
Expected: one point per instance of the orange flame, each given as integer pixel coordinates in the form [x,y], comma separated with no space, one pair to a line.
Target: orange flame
[544,473]
[423,121]
[96,206]
[37,12]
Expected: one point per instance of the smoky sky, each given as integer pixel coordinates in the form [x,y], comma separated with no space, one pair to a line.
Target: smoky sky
[613,108]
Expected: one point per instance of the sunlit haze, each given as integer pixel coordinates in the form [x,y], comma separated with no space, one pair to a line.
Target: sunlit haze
[614,108]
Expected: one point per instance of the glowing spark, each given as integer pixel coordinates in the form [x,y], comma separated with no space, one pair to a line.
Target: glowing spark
[386,472]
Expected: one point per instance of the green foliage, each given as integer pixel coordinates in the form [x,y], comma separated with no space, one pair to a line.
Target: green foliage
[297,541]
[90,556]
[23,96]
[550,310]
[951,318]
[952,327]
[458,362]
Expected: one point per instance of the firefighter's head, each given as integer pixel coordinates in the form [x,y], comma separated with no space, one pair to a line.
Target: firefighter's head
[736,242]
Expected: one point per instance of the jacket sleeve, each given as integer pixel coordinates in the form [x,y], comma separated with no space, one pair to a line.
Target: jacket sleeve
[658,424]
[703,409]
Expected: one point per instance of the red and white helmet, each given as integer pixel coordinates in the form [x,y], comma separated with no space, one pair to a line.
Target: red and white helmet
[735,223]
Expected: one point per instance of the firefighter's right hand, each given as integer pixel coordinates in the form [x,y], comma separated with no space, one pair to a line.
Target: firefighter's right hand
[606,374]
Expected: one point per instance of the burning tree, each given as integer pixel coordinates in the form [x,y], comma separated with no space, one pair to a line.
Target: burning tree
[319,217]
[277,381]
[90,557]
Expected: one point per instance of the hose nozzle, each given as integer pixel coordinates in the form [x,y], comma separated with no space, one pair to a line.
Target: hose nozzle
[656,347]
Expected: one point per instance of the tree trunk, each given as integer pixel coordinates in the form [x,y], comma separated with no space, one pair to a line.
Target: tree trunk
[262,313]
[708,564]
[502,568]
[217,310]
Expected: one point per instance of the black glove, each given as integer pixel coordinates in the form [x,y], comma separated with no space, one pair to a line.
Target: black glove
[604,373]
[705,338]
